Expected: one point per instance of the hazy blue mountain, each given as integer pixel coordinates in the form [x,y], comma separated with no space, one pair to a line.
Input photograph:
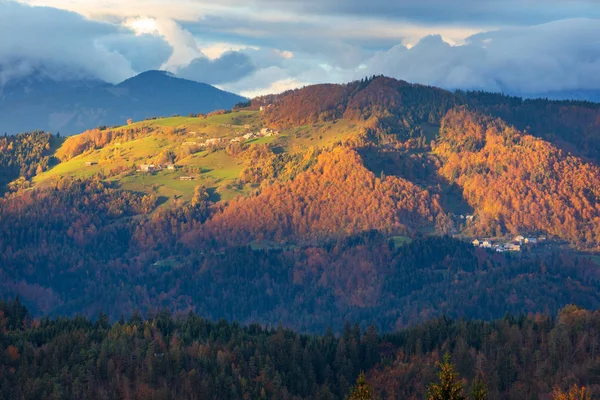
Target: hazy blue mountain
[40,103]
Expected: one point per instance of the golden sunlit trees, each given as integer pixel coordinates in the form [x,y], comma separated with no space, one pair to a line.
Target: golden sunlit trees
[448,387]
[575,392]
[361,390]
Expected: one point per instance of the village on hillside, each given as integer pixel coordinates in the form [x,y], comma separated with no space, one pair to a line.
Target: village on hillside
[264,132]
[209,142]
[517,244]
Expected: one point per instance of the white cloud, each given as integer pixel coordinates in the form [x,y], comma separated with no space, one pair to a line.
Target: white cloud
[185,48]
[271,45]
[549,57]
[63,43]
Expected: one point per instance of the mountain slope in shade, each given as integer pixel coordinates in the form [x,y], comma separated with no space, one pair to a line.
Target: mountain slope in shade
[40,103]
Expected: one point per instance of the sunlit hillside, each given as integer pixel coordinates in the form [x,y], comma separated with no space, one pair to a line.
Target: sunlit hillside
[201,149]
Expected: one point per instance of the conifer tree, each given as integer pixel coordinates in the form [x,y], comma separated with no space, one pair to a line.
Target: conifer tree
[361,390]
[449,387]
[479,390]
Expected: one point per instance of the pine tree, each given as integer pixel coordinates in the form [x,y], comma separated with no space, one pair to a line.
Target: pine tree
[479,390]
[361,390]
[449,387]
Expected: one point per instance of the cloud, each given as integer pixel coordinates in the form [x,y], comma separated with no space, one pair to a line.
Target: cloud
[144,52]
[183,43]
[229,67]
[272,79]
[471,12]
[37,37]
[271,45]
[549,57]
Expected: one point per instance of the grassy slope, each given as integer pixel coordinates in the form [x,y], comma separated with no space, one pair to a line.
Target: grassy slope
[218,171]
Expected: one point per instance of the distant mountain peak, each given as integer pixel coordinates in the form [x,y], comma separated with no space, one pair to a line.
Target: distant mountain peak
[153,73]
[34,102]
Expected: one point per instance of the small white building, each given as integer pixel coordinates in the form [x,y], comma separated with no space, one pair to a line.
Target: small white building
[249,136]
[486,244]
[476,243]
[513,247]
[147,167]
[531,240]
[210,142]
[519,239]
[171,167]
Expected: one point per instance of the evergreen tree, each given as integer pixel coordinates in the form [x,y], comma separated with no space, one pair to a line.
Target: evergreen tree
[479,390]
[449,387]
[361,390]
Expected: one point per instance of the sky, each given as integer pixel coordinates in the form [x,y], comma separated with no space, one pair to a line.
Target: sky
[255,47]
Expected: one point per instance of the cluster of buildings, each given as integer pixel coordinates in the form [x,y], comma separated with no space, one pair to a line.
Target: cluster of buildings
[462,217]
[264,132]
[246,126]
[516,245]
[156,167]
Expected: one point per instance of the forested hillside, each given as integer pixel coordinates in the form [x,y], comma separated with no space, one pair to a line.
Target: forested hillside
[334,202]
[166,357]
[518,182]
[337,198]
[24,155]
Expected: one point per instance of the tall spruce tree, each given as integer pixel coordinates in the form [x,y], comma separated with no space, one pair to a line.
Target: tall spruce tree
[449,387]
[361,390]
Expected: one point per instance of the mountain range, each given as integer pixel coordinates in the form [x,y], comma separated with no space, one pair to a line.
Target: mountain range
[38,102]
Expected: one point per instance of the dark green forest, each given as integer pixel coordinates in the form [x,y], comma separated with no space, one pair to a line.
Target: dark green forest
[185,356]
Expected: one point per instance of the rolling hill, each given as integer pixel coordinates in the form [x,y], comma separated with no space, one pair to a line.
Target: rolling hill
[37,102]
[312,207]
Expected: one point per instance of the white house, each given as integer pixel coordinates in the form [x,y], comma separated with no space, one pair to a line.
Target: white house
[531,240]
[476,243]
[513,247]
[147,167]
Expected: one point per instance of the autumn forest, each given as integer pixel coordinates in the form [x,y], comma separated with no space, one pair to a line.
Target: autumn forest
[336,241]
